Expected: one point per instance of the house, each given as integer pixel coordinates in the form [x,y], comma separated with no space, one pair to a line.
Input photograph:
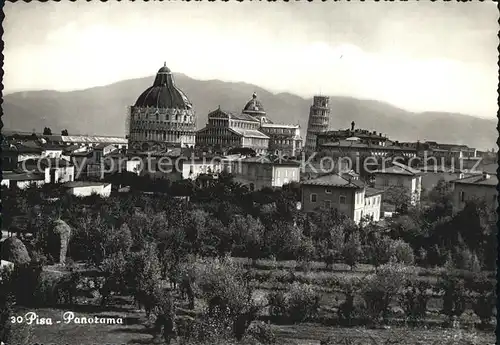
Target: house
[334,191]
[22,180]
[52,151]
[344,192]
[399,175]
[373,202]
[15,153]
[87,188]
[476,187]
[195,166]
[432,175]
[260,172]
[55,170]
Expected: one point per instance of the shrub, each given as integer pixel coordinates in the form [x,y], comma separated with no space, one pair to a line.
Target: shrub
[352,251]
[454,298]
[382,287]
[19,334]
[303,302]
[277,304]
[402,252]
[414,299]
[262,332]
[348,309]
[14,250]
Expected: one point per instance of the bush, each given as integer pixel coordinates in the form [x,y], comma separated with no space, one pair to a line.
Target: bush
[14,250]
[414,299]
[262,332]
[402,252]
[277,304]
[303,302]
[348,309]
[454,297]
[382,287]
[19,334]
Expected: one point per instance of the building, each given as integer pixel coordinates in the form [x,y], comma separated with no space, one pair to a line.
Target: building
[476,187]
[162,117]
[87,188]
[249,129]
[319,118]
[399,175]
[15,153]
[260,172]
[432,175]
[284,139]
[343,193]
[22,180]
[226,130]
[353,141]
[54,170]
[373,203]
[193,167]
[362,136]
[88,141]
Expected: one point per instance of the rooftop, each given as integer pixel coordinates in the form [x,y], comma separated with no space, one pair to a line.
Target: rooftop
[79,184]
[399,169]
[250,133]
[334,180]
[220,113]
[22,176]
[479,179]
[369,191]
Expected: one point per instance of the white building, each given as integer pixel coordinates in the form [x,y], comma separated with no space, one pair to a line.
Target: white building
[400,175]
[87,188]
[21,180]
[373,202]
[192,168]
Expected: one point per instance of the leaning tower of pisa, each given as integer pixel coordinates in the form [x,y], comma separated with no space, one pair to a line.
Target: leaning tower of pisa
[319,117]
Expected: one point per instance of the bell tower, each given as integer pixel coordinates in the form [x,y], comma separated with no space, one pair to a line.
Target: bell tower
[319,119]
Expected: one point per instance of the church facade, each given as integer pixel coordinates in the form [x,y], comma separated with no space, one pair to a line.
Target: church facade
[250,129]
[162,118]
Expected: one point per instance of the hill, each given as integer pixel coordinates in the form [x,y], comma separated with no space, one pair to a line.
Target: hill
[102,110]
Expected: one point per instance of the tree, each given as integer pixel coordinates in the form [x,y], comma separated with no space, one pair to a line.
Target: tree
[248,236]
[379,250]
[64,132]
[14,250]
[47,131]
[399,197]
[454,298]
[352,252]
[402,252]
[228,294]
[414,299]
[380,288]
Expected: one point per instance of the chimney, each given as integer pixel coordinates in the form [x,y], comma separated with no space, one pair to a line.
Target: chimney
[352,126]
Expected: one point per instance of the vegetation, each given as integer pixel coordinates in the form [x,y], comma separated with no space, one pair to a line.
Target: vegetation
[213,268]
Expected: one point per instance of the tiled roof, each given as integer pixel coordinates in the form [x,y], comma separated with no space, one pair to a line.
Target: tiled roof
[22,176]
[355,144]
[250,133]
[278,125]
[233,115]
[77,184]
[93,139]
[266,160]
[479,179]
[399,169]
[334,180]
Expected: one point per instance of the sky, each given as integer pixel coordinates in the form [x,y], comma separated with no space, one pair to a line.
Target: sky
[420,56]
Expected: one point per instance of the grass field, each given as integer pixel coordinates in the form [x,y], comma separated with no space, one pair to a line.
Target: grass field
[134,331]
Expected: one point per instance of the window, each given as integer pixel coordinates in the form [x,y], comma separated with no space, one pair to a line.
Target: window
[342,199]
[328,203]
[328,191]
[385,182]
[462,196]
[313,197]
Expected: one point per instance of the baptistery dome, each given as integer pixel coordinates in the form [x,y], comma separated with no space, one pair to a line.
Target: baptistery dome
[163,94]
[162,118]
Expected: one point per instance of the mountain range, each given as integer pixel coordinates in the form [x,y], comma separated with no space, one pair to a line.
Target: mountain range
[102,111]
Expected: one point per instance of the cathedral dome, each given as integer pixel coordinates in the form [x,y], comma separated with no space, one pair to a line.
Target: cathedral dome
[254,106]
[163,94]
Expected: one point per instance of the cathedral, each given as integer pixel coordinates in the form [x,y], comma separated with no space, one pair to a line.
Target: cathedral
[162,117]
[249,129]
